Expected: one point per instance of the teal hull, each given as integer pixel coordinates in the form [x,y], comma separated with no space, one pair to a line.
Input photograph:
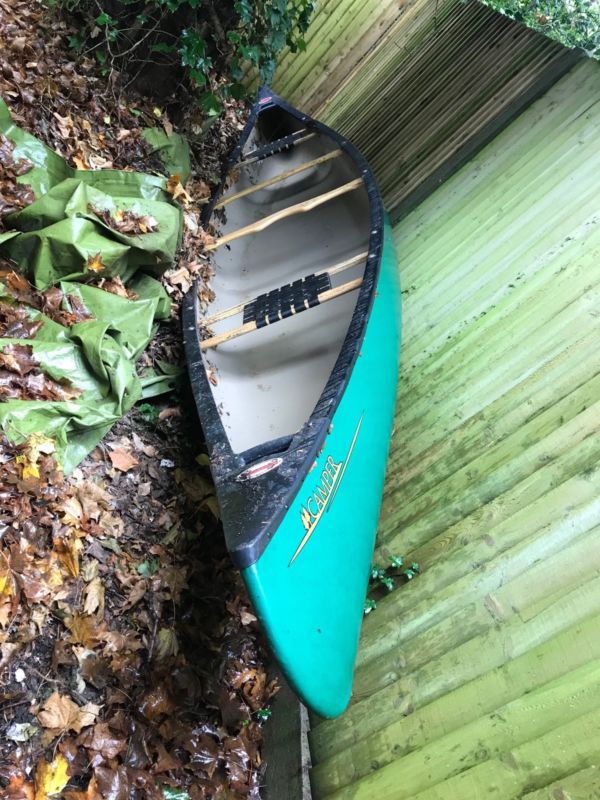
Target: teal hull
[310,583]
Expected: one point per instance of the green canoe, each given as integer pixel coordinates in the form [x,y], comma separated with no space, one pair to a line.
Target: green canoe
[294,365]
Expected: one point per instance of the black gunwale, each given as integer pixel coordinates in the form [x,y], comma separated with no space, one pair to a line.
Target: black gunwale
[252,510]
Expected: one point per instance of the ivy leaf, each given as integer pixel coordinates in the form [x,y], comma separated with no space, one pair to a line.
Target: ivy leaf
[149,567]
[237,91]
[198,77]
[210,104]
[162,47]
[251,52]
[105,19]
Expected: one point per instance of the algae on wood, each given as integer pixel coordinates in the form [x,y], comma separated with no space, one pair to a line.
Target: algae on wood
[479,679]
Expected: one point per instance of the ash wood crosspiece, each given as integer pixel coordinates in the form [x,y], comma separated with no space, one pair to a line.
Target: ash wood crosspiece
[298,208]
[278,178]
[330,294]
[334,270]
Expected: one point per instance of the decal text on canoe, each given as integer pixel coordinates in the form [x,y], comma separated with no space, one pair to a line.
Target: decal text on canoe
[311,512]
[322,495]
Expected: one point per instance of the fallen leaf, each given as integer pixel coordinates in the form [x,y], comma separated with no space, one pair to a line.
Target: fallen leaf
[73,511]
[7,652]
[84,630]
[101,739]
[81,162]
[91,793]
[122,460]
[59,713]
[65,125]
[68,556]
[125,220]
[167,644]
[165,762]
[51,778]
[177,191]
[89,569]
[170,412]
[21,731]
[95,263]
[180,277]
[94,597]
[157,703]
[18,788]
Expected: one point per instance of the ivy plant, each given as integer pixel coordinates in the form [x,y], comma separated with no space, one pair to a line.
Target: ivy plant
[203,37]
[573,23]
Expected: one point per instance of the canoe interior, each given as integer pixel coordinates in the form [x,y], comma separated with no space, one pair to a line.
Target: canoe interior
[269,380]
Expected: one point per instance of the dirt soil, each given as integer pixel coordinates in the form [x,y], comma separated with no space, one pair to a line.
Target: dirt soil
[131,664]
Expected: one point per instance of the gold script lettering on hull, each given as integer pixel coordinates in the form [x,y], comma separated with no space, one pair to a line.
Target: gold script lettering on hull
[322,495]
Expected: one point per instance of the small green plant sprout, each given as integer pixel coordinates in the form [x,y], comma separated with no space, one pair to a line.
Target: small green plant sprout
[370,605]
[263,714]
[379,576]
[385,577]
[149,412]
[410,572]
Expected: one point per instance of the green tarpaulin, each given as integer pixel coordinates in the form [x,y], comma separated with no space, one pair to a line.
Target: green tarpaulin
[66,238]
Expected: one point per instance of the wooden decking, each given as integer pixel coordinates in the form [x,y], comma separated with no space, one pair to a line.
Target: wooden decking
[481,678]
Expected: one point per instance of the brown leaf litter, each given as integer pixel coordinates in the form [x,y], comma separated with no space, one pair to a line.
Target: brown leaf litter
[130,659]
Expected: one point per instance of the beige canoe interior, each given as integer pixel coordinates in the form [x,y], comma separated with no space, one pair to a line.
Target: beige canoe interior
[269,380]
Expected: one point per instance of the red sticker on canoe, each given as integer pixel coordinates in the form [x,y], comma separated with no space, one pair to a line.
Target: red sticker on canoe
[259,469]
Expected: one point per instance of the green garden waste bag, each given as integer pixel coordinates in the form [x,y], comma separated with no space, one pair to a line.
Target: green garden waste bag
[82,226]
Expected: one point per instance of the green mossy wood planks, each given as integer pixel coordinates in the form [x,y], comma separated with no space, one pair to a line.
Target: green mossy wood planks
[559,656]
[417,85]
[479,679]
[547,707]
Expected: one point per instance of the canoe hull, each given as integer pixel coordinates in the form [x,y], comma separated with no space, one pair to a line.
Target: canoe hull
[310,583]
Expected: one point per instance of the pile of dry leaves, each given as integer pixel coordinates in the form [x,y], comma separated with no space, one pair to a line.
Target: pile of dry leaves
[13,195]
[131,666]
[63,101]
[65,309]
[128,651]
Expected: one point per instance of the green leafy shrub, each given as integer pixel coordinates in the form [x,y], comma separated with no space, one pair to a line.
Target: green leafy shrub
[574,23]
[201,39]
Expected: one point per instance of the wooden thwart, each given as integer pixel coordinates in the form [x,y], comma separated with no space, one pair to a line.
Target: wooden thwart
[298,208]
[330,294]
[232,310]
[277,178]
